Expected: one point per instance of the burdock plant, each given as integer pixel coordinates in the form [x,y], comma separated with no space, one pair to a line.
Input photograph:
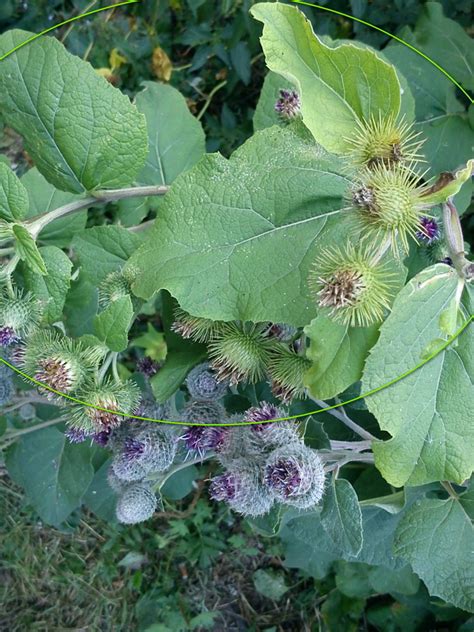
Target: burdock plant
[352,285]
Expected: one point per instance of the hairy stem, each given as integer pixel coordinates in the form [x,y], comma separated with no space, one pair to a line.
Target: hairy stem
[341,414]
[179,466]
[36,224]
[356,446]
[455,241]
[8,436]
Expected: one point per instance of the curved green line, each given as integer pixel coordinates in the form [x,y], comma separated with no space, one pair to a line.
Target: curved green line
[398,39]
[248,423]
[74,19]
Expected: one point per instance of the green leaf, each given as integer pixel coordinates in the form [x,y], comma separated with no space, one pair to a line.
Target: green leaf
[81,132]
[437,538]
[341,517]
[338,353]
[440,115]
[44,197]
[400,580]
[446,42]
[100,497]
[27,250]
[180,484]
[241,61]
[269,584]
[112,325]
[467,500]
[171,375]
[176,138]
[316,562]
[80,307]
[53,472]
[153,342]
[338,86]
[352,579]
[13,196]
[428,412]
[235,238]
[53,287]
[103,249]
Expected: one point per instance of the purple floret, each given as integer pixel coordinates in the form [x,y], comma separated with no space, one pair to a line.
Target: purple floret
[284,477]
[429,230]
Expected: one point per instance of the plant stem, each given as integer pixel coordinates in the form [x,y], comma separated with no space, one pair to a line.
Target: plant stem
[140,227]
[209,99]
[111,195]
[18,433]
[449,488]
[36,224]
[356,446]
[455,241]
[180,466]
[341,414]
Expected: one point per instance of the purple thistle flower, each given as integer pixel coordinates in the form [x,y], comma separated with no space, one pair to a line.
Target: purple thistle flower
[8,337]
[429,230]
[288,104]
[262,413]
[216,437]
[195,440]
[101,438]
[147,367]
[284,477]
[133,449]
[198,439]
[76,435]
[223,487]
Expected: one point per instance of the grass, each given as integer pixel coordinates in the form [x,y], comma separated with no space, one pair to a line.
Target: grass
[195,573]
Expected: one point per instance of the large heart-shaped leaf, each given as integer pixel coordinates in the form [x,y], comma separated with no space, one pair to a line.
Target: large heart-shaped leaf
[235,238]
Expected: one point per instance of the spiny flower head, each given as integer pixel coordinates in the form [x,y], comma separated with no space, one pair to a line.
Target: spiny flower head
[203,412]
[158,448]
[295,475]
[287,369]
[198,439]
[136,503]
[288,104]
[263,412]
[203,384]
[242,489]
[428,231]
[383,141]
[198,329]
[389,203]
[240,353]
[110,398]
[58,361]
[116,285]
[19,316]
[437,251]
[352,286]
